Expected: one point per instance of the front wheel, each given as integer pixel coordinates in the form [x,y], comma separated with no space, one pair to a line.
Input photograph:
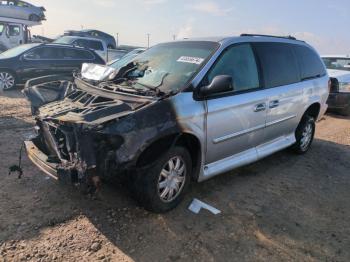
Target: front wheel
[163,186]
[7,80]
[304,135]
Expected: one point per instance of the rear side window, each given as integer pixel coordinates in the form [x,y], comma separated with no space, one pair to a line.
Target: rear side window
[95,45]
[70,53]
[310,63]
[279,64]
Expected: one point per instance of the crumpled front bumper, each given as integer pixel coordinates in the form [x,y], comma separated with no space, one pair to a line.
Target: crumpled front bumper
[40,160]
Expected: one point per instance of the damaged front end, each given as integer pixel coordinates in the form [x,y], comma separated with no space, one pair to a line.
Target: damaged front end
[90,133]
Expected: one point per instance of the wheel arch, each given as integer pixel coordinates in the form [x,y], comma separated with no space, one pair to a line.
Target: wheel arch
[313,110]
[161,145]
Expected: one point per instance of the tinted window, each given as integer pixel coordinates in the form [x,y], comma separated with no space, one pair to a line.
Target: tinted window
[70,53]
[310,63]
[239,62]
[95,45]
[45,53]
[14,30]
[279,64]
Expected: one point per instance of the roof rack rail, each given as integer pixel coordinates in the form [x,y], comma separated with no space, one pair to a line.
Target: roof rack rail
[286,37]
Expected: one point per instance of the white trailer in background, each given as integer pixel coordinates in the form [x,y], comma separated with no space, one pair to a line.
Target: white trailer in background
[14,32]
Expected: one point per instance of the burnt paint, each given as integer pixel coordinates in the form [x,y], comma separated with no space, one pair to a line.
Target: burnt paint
[140,129]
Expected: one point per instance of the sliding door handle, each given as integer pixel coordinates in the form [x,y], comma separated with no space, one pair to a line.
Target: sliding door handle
[274,104]
[260,107]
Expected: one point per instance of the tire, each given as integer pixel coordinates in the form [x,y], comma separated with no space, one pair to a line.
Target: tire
[155,189]
[34,18]
[110,47]
[345,111]
[8,79]
[304,135]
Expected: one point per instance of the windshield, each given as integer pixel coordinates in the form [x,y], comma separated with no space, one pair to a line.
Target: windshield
[64,40]
[337,63]
[116,64]
[168,67]
[16,51]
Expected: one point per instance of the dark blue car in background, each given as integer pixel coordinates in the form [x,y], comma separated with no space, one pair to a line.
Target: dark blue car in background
[29,61]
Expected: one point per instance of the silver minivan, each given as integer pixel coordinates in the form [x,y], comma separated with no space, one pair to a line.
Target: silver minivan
[183,111]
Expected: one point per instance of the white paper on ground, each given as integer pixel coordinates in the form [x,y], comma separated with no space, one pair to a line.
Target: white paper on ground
[197,205]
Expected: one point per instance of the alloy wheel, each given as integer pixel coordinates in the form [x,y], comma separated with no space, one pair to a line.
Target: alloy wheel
[7,79]
[306,136]
[172,179]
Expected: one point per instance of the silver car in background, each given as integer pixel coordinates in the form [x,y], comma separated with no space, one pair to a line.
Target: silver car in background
[21,10]
[338,67]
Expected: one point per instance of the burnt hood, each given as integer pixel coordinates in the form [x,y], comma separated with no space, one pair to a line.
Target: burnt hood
[89,105]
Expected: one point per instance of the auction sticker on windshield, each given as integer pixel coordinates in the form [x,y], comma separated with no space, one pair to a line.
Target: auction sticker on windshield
[191,60]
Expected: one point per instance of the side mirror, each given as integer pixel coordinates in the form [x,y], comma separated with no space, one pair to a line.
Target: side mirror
[220,84]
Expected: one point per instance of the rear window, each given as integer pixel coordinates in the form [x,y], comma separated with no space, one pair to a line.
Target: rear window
[310,63]
[279,64]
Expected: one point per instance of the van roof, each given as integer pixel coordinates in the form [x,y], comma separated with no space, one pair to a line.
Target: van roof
[221,39]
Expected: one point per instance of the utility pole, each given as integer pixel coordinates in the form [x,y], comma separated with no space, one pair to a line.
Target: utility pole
[117,39]
[148,36]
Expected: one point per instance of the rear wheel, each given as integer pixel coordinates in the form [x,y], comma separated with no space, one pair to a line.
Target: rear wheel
[163,186]
[7,80]
[34,18]
[304,135]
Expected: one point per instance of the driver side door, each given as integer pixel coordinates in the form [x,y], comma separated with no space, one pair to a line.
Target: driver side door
[235,120]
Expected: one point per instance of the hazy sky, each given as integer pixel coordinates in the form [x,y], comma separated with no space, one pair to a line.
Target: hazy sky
[323,23]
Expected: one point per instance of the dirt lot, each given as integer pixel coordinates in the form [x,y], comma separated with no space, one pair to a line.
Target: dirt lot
[285,207]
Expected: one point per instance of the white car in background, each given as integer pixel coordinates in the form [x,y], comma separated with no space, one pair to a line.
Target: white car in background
[338,67]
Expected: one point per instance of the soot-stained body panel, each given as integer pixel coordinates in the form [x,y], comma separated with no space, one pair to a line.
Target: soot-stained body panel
[100,133]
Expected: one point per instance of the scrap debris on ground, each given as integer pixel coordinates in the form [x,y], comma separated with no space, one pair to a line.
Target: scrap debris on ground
[282,208]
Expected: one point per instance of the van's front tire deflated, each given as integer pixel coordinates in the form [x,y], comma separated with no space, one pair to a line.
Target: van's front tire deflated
[304,135]
[162,186]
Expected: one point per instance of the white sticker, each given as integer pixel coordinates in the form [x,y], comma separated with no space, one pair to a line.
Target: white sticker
[191,60]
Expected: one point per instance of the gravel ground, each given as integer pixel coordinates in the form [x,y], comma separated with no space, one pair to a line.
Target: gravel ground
[282,208]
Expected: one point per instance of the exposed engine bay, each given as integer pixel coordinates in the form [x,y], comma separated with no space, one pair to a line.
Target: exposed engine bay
[93,132]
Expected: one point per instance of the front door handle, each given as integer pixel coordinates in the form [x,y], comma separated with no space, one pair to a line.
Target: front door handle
[260,107]
[274,104]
